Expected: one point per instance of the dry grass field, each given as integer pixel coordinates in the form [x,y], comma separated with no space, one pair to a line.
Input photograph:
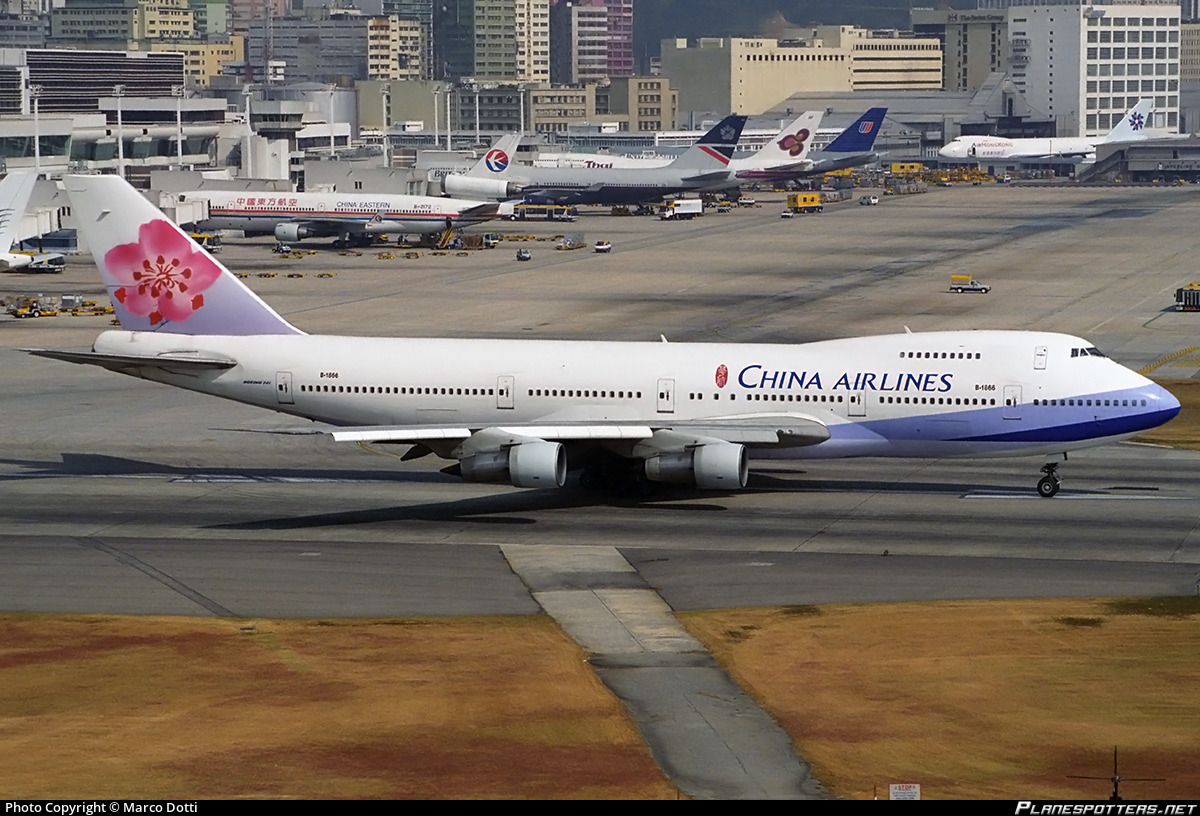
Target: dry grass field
[981,699]
[188,708]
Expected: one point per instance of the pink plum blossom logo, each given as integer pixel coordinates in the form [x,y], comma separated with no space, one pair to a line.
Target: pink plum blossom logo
[793,143]
[161,275]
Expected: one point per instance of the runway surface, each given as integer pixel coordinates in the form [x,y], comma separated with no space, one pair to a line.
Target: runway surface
[122,496]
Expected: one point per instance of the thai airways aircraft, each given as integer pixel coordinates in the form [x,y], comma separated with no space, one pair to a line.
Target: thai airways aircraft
[626,414]
[1130,128]
[787,151]
[347,216]
[784,158]
[15,190]
[701,167]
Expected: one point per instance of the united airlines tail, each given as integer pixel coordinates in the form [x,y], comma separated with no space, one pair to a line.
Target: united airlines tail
[860,136]
[1132,124]
[714,149]
[158,278]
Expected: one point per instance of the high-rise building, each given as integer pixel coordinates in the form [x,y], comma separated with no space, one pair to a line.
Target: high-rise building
[716,76]
[578,43]
[492,40]
[1085,63]
[974,43]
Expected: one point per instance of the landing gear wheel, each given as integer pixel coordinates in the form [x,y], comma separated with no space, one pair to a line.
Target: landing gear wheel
[1047,487]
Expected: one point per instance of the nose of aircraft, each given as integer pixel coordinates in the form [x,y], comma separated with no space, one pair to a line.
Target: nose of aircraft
[951,151]
[1168,405]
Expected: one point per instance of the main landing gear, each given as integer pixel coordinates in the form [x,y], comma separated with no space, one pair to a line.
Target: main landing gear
[1048,485]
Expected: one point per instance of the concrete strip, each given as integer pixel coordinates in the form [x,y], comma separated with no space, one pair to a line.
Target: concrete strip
[707,735]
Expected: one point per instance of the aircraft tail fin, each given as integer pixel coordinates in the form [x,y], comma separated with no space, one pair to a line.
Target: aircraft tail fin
[158,278]
[790,145]
[15,190]
[498,159]
[715,148]
[860,136]
[1133,123]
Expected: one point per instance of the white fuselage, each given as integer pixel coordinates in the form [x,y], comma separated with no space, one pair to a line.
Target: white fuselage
[996,147]
[334,213]
[970,393]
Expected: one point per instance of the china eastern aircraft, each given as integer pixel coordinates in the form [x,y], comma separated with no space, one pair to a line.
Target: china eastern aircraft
[701,167]
[626,414]
[1130,128]
[345,216]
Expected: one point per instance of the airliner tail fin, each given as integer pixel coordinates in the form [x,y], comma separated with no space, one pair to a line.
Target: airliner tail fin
[158,278]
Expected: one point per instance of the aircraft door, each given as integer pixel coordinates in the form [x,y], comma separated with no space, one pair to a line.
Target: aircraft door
[666,396]
[1012,402]
[505,386]
[858,404]
[1039,358]
[283,387]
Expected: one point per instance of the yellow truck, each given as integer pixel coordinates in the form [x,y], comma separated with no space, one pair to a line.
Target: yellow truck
[804,203]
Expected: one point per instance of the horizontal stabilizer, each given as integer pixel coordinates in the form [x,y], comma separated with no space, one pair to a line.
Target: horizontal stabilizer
[181,361]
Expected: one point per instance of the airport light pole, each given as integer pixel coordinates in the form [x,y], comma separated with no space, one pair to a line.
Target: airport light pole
[332,144]
[436,104]
[385,99]
[35,92]
[119,92]
[178,92]
[247,153]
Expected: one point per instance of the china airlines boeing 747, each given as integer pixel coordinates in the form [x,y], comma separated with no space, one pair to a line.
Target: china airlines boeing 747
[528,411]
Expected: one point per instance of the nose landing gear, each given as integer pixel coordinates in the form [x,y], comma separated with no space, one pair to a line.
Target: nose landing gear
[1047,486]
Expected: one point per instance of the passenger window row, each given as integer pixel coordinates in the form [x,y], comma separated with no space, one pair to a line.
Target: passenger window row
[936,401]
[392,389]
[575,392]
[940,355]
[1095,403]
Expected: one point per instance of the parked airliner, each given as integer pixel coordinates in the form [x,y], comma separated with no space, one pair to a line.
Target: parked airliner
[15,190]
[703,166]
[784,158]
[786,152]
[1130,128]
[346,216]
[527,411]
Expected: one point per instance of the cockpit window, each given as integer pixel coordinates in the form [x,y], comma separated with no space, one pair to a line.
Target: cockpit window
[1091,351]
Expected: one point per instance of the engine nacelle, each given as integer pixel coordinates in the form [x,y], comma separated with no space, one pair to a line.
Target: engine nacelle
[286,233]
[716,466]
[472,187]
[530,464]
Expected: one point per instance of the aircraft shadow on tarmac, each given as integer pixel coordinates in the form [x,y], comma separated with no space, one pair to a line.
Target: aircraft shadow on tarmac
[93,464]
[515,507]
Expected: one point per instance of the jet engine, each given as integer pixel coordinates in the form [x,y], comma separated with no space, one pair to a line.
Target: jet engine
[286,233]
[530,464]
[715,466]
[471,187]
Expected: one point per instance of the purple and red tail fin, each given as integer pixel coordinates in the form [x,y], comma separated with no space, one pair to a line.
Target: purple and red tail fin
[158,278]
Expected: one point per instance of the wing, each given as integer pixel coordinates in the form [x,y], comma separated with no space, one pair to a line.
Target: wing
[758,430]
